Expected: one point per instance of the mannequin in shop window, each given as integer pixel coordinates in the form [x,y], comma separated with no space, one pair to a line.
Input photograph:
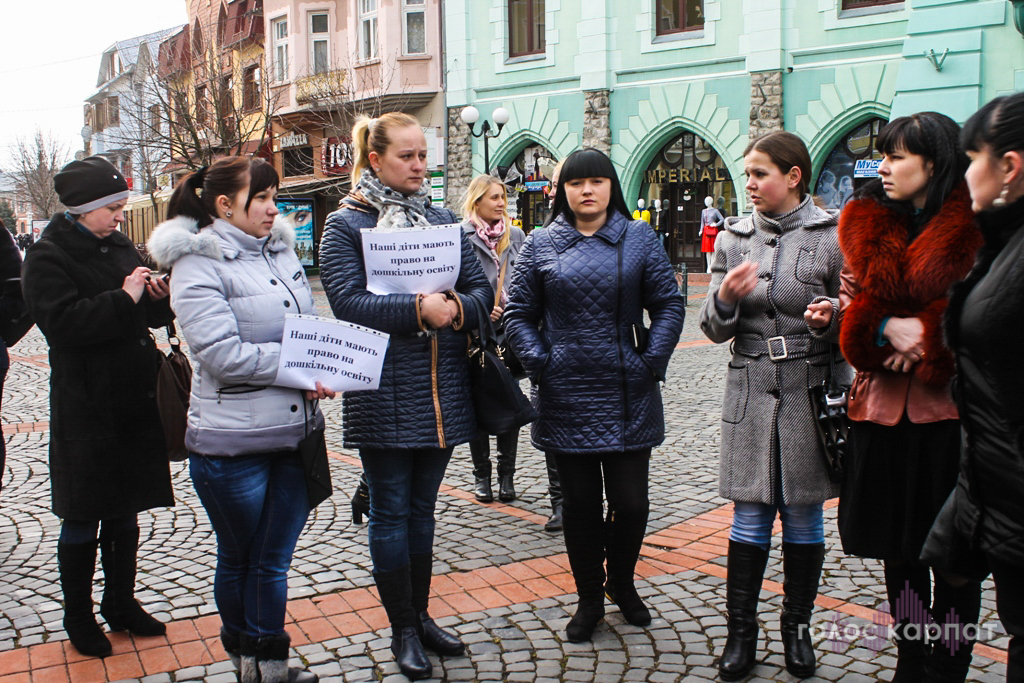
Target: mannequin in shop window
[711,219]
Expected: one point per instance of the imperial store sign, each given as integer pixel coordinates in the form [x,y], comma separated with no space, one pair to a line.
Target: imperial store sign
[294,139]
[686,175]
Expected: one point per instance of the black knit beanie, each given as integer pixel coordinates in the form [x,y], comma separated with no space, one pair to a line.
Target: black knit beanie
[89,184]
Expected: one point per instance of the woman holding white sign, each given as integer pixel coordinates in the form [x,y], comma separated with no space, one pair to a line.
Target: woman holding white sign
[236,275]
[575,319]
[496,244]
[405,430]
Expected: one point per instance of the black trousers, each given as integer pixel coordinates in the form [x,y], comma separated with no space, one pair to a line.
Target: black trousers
[587,479]
[1009,581]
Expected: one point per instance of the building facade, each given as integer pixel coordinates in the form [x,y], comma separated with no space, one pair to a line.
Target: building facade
[674,90]
[119,122]
[329,61]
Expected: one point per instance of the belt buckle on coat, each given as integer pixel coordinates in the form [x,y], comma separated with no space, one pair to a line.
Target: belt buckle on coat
[771,352]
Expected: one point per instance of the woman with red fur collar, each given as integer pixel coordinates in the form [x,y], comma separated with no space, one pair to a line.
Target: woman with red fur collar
[907,237]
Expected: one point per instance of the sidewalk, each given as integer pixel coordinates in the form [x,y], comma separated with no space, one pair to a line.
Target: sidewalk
[502,583]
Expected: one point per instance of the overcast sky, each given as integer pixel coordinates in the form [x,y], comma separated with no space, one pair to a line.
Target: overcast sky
[50,57]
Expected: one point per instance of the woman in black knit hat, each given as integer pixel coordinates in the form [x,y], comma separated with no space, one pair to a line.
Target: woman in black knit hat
[87,288]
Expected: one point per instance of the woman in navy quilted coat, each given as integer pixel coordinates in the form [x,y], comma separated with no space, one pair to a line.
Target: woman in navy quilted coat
[404,431]
[579,291]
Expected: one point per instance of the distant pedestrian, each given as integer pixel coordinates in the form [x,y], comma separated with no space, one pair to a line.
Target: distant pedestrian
[982,523]
[11,305]
[95,302]
[907,237]
[575,318]
[234,276]
[404,431]
[496,244]
[774,292]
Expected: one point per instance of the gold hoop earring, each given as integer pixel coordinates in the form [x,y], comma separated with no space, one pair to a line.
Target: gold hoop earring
[1000,201]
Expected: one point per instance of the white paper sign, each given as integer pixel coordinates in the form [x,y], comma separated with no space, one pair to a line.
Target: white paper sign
[340,355]
[412,260]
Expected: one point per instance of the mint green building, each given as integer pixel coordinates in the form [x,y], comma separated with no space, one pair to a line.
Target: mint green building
[674,90]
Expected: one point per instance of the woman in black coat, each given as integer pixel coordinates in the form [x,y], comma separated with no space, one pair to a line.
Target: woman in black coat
[982,523]
[579,292]
[88,290]
[10,307]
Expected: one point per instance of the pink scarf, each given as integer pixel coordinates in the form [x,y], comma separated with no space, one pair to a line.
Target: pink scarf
[490,234]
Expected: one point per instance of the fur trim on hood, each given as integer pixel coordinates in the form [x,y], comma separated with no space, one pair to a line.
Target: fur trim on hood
[181,236]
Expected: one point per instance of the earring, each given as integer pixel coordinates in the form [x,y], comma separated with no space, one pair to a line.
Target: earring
[229,214]
[1000,201]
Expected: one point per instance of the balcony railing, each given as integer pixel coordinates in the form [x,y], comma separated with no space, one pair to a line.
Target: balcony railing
[328,86]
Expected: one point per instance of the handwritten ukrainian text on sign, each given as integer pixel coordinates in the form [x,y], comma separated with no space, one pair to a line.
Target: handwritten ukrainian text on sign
[412,260]
[340,355]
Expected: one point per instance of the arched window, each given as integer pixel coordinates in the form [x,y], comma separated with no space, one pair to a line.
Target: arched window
[840,174]
[222,27]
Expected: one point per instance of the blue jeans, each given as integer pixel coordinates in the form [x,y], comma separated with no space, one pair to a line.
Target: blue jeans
[752,523]
[257,505]
[403,491]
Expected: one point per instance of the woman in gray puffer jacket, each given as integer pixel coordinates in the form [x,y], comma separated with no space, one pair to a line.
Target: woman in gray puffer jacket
[235,277]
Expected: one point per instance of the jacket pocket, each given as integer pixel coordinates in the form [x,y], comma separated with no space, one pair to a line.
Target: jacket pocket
[805,270]
[737,390]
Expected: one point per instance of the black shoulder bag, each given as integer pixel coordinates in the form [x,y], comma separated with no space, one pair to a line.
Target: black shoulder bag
[500,404]
[313,451]
[173,390]
[829,403]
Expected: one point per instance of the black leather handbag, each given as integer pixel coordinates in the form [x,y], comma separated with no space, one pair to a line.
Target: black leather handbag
[173,391]
[15,321]
[829,402]
[498,400]
[313,451]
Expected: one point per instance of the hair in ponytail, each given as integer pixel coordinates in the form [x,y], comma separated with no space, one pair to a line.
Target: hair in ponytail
[227,176]
[374,135]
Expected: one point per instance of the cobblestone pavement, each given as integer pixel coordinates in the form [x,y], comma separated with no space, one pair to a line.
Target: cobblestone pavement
[502,582]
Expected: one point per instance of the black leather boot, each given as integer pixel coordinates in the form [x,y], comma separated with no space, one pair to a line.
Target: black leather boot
[908,587]
[507,446]
[77,563]
[480,451]
[742,589]
[554,522]
[361,500]
[801,565]
[954,608]
[120,609]
[432,636]
[624,534]
[395,588]
[265,660]
[584,542]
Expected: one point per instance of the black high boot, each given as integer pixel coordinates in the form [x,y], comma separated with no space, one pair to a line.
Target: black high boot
[508,443]
[801,565]
[554,522]
[744,575]
[232,644]
[265,660]
[361,500]
[433,637]
[624,535]
[584,542]
[480,451]
[908,587]
[954,608]
[395,588]
[77,563]
[120,609]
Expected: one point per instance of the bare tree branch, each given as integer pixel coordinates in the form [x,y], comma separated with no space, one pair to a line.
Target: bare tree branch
[35,161]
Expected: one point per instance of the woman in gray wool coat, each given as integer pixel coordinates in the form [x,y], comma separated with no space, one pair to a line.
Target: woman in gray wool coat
[774,292]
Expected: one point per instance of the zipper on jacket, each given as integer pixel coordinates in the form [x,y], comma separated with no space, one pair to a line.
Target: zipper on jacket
[433,389]
[618,343]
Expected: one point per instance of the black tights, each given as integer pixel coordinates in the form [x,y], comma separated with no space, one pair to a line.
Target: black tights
[586,479]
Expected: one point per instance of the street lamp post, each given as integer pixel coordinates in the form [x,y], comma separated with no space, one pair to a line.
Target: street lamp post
[470,115]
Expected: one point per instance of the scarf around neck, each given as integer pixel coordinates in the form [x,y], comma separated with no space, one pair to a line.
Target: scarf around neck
[396,210]
[490,234]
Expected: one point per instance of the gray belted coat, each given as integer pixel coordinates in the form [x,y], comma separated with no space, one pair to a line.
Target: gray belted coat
[767,423]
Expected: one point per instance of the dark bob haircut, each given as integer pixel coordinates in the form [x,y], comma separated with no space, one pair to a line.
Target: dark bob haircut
[931,135]
[999,125]
[227,176]
[587,163]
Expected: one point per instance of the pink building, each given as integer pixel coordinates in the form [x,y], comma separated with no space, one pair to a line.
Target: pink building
[328,61]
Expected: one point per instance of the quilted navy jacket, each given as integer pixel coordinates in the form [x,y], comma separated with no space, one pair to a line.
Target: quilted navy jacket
[572,303]
[423,400]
